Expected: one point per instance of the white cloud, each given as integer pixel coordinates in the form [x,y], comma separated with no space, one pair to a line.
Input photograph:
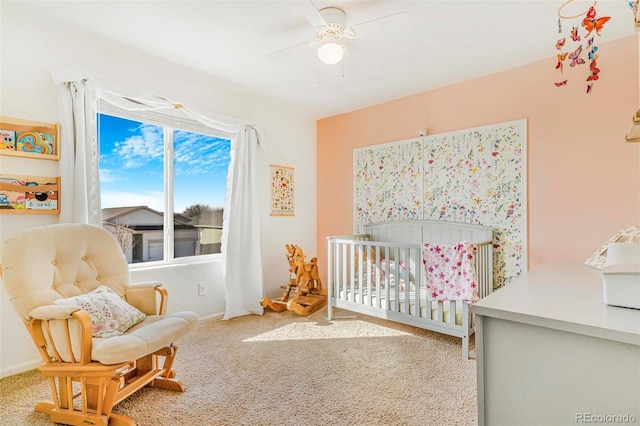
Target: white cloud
[109,175]
[193,153]
[197,154]
[139,149]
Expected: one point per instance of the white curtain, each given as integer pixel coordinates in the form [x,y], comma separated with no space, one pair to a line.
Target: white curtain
[241,242]
[79,92]
[79,157]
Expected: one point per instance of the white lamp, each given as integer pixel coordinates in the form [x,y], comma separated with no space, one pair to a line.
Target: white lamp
[331,52]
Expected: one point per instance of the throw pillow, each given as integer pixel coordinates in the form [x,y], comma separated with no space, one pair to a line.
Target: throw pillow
[110,315]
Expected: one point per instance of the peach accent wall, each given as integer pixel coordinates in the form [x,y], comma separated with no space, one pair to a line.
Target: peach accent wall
[583,178]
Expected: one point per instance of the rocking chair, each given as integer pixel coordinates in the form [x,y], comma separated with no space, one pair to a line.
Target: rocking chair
[101,338]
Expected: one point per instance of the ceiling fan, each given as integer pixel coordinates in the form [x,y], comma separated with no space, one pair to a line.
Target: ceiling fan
[330,25]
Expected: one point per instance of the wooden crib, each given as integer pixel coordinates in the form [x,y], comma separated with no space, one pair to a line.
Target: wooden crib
[380,273]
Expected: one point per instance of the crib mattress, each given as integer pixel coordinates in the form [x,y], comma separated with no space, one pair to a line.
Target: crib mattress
[428,309]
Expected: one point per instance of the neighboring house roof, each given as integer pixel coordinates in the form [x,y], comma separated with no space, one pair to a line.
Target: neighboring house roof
[158,227]
[112,214]
[181,218]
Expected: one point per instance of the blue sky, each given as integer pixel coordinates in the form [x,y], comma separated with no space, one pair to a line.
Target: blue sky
[131,166]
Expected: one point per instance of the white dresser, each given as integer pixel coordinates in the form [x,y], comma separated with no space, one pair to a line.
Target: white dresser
[550,352]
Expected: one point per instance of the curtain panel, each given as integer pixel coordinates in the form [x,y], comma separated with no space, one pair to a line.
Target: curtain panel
[79,155]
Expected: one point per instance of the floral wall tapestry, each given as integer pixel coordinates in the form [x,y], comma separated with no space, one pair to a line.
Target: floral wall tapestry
[282,191]
[475,176]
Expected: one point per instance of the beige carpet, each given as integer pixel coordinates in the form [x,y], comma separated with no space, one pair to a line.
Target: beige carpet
[283,369]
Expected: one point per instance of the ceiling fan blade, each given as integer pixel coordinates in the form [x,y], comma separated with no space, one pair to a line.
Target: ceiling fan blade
[366,27]
[287,50]
[348,33]
[311,13]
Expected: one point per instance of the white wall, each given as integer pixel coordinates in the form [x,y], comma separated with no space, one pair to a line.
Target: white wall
[33,46]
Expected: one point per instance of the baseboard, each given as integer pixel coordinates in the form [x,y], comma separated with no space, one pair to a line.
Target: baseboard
[20,368]
[211,317]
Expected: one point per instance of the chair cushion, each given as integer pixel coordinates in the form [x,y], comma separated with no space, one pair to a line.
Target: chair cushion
[110,314]
[155,332]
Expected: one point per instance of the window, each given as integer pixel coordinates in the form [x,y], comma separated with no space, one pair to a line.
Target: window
[162,185]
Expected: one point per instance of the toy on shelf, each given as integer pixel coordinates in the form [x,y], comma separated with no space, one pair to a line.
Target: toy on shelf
[308,295]
[31,139]
[29,194]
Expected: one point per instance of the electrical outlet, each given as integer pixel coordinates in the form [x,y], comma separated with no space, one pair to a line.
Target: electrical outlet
[202,289]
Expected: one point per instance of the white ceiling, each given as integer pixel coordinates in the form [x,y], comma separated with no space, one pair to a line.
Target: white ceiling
[434,44]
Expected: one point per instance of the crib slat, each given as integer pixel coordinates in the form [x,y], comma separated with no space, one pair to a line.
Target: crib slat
[352,276]
[366,263]
[330,263]
[417,261]
[480,271]
[396,299]
[406,258]
[452,312]
[375,293]
[375,277]
[387,284]
[347,285]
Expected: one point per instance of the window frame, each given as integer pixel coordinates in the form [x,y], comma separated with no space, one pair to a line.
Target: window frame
[170,120]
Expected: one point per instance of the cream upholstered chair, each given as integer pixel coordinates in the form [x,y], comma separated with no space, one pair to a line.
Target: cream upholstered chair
[70,284]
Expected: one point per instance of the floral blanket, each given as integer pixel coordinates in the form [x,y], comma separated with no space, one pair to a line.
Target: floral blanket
[450,271]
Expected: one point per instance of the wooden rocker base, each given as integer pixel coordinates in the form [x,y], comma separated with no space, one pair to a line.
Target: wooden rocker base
[104,386]
[168,384]
[277,305]
[301,305]
[307,305]
[75,417]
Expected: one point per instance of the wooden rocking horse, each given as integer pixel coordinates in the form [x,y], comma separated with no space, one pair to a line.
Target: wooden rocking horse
[304,280]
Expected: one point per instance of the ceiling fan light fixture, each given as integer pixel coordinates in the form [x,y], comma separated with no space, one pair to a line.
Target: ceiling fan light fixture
[331,52]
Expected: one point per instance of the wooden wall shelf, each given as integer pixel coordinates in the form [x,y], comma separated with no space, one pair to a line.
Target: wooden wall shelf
[24,138]
[29,194]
